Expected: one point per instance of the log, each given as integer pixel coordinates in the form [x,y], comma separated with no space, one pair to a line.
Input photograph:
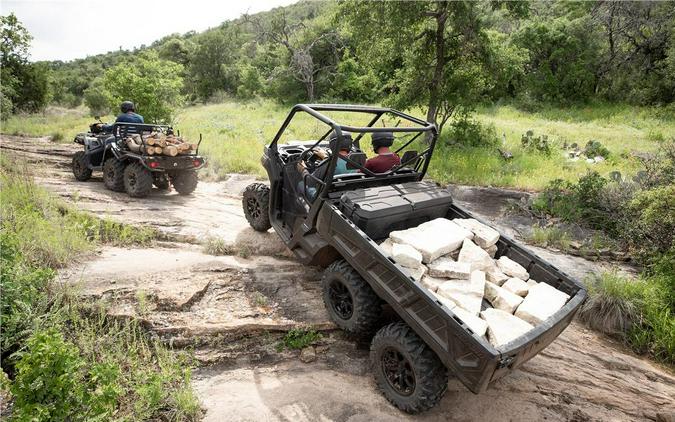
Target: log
[150,150]
[132,145]
[170,150]
[158,150]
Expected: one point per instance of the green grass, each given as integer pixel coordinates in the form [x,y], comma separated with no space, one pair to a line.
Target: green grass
[297,339]
[66,358]
[235,133]
[554,237]
[61,124]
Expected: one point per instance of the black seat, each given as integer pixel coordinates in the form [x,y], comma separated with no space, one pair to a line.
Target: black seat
[357,157]
[409,155]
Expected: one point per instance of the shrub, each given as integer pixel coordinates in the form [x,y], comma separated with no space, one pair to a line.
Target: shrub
[298,339]
[550,236]
[467,132]
[594,149]
[536,144]
[652,232]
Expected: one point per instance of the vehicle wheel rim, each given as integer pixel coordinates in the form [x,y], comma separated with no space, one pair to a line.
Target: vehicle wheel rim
[398,372]
[253,207]
[132,179]
[341,300]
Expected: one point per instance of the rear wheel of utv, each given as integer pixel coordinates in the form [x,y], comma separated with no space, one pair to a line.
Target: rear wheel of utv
[80,169]
[113,174]
[137,180]
[160,180]
[407,371]
[185,182]
[351,303]
[256,203]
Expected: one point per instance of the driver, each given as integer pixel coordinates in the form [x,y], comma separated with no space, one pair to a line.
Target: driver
[344,148]
[385,159]
[128,115]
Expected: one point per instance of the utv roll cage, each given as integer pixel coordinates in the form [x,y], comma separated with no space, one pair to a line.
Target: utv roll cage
[419,161]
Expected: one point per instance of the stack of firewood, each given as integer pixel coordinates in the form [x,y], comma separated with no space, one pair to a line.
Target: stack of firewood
[158,143]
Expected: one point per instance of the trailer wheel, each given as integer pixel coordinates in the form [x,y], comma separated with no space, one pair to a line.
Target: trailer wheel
[256,203]
[407,371]
[351,303]
[113,174]
[137,180]
[80,169]
[185,182]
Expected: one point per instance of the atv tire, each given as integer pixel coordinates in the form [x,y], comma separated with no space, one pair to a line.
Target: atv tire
[80,169]
[185,182]
[113,174]
[407,371]
[351,303]
[137,180]
[160,180]
[256,204]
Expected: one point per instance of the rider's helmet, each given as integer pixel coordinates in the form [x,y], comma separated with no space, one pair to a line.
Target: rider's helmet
[382,139]
[127,106]
[345,142]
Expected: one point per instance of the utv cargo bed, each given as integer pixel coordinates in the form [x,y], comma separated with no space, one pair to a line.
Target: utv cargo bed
[354,222]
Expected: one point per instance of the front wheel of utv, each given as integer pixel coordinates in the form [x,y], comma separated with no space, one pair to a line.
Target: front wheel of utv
[256,203]
[350,301]
[407,371]
[80,169]
[137,180]
[113,174]
[185,182]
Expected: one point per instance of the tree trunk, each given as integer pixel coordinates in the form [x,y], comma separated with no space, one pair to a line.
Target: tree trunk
[441,16]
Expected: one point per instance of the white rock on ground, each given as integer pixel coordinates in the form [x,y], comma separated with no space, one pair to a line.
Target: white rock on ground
[495,275]
[386,246]
[465,293]
[501,298]
[433,238]
[516,286]
[512,268]
[476,324]
[432,283]
[503,327]
[418,272]
[484,236]
[542,301]
[448,268]
[406,255]
[474,255]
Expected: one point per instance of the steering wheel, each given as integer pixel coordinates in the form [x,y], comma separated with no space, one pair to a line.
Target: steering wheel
[311,159]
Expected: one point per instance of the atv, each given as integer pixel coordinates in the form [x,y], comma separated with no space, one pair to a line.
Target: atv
[134,171]
[338,222]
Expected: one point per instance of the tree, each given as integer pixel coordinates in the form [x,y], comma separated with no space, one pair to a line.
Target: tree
[427,53]
[304,47]
[154,85]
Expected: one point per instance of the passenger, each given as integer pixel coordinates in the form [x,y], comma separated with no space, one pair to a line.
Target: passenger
[385,159]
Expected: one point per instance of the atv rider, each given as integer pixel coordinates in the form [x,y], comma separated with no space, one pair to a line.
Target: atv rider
[344,148]
[128,116]
[385,159]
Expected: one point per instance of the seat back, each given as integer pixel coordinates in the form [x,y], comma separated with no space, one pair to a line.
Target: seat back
[358,157]
[408,155]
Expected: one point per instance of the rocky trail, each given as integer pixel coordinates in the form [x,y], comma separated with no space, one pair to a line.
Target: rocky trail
[233,311]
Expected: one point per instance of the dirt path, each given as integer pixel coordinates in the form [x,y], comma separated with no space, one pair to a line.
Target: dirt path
[233,310]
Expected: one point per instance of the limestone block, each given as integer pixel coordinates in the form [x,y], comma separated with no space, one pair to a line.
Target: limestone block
[432,283]
[531,283]
[495,275]
[501,298]
[418,272]
[465,293]
[484,236]
[386,246]
[448,268]
[474,255]
[433,238]
[476,324]
[503,327]
[542,301]
[492,251]
[512,268]
[406,255]
[516,286]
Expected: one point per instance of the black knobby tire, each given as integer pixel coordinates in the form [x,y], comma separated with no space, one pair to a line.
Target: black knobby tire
[256,203]
[350,301]
[113,174]
[160,180]
[137,180]
[185,182]
[80,169]
[407,371]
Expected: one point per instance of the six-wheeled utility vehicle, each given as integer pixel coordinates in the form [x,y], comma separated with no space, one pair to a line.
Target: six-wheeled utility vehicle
[134,172]
[339,223]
